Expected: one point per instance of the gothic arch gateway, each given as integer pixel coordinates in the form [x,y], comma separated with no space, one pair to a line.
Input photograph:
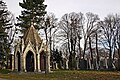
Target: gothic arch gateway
[30,62]
[42,61]
[18,60]
[31,54]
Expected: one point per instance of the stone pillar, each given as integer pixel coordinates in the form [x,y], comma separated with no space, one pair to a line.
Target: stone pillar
[21,63]
[16,63]
[22,44]
[35,63]
[66,63]
[24,64]
[38,63]
[37,58]
[48,63]
[13,62]
[77,63]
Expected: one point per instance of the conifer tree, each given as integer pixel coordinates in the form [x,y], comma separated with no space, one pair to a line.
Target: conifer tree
[5,24]
[33,13]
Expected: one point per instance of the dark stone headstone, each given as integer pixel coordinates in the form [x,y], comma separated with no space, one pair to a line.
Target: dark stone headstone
[110,67]
[118,65]
[83,64]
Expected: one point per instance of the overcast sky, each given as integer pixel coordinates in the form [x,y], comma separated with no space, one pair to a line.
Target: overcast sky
[60,7]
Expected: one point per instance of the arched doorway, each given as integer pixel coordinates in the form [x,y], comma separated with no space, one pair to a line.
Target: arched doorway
[30,62]
[18,61]
[42,61]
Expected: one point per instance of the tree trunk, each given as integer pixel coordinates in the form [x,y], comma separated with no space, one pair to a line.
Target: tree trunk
[110,59]
[51,54]
[79,46]
[71,52]
[91,54]
[83,62]
[98,58]
[84,49]
[79,49]
[46,56]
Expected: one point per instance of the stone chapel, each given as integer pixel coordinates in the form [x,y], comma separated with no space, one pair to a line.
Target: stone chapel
[31,54]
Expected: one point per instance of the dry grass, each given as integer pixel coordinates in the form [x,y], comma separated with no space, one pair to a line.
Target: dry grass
[65,75]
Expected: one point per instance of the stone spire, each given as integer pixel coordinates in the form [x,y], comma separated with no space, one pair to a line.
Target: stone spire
[32,35]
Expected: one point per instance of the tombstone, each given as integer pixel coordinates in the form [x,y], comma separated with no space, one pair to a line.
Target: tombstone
[118,67]
[10,64]
[77,62]
[65,63]
[83,64]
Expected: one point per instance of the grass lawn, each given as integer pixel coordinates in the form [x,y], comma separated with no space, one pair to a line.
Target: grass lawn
[65,75]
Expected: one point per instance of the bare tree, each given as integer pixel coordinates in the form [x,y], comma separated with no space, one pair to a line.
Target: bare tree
[117,38]
[108,39]
[81,23]
[52,23]
[70,25]
[45,27]
[95,44]
[88,30]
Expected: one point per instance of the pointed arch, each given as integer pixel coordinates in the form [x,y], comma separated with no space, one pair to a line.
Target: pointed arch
[42,61]
[18,61]
[30,62]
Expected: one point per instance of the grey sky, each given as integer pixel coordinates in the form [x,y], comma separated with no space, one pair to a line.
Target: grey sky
[60,7]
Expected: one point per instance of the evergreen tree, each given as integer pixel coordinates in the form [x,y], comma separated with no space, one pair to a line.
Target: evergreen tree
[5,24]
[33,13]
